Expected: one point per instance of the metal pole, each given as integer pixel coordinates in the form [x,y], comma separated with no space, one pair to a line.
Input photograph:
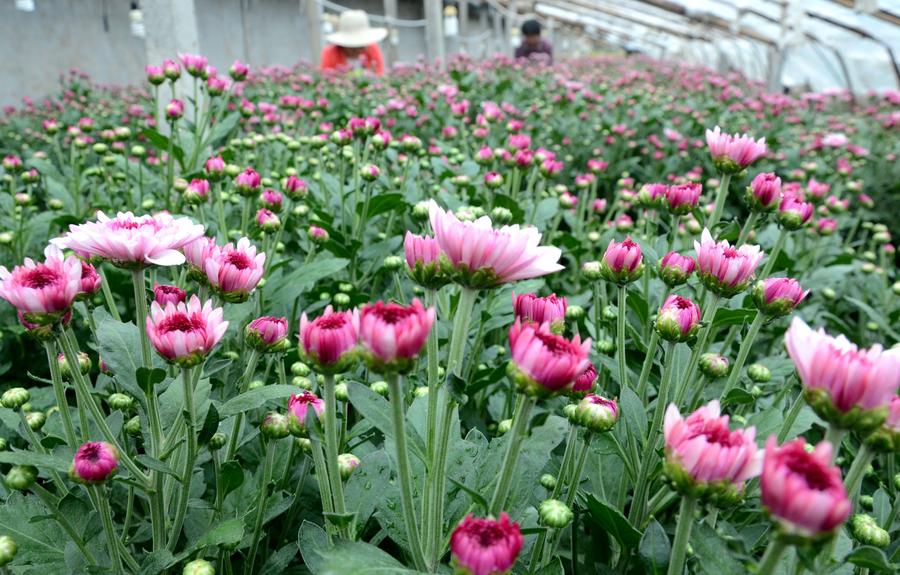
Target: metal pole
[314,29]
[434,34]
[464,18]
[390,14]
[511,14]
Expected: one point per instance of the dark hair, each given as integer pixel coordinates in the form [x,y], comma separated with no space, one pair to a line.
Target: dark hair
[531,28]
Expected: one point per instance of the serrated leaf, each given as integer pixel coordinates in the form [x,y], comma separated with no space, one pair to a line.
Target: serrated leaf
[148,378]
[40,460]
[352,558]
[227,532]
[157,562]
[377,410]
[654,548]
[38,543]
[714,557]
[156,465]
[255,398]
[871,558]
[312,540]
[232,477]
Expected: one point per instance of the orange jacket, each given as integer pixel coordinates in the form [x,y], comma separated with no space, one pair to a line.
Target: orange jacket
[334,58]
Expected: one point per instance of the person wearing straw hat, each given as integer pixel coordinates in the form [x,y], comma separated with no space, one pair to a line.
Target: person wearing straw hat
[354,45]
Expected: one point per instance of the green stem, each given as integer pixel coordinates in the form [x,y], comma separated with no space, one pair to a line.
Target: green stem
[834,435]
[620,338]
[598,309]
[575,480]
[332,448]
[779,245]
[709,315]
[322,480]
[648,363]
[245,215]
[38,447]
[432,368]
[516,436]
[460,333]
[772,556]
[791,417]
[190,457]
[112,539]
[721,196]
[239,418]
[107,295]
[746,346]
[747,228]
[261,505]
[170,164]
[220,213]
[403,471]
[854,477]
[60,392]
[682,535]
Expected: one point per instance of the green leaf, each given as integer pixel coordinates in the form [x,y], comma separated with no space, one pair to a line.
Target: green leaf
[39,544]
[633,410]
[284,289]
[553,568]
[148,378]
[255,398]
[456,387]
[227,532]
[120,348]
[162,143]
[312,540]
[157,562]
[714,557]
[476,497]
[613,522]
[382,203]
[210,425]
[278,561]
[737,396]
[877,317]
[232,477]
[726,316]
[351,558]
[222,128]
[871,558]
[655,548]
[156,465]
[365,491]
[376,409]
[41,460]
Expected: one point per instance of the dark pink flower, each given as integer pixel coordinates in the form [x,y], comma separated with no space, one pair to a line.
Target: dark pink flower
[485,546]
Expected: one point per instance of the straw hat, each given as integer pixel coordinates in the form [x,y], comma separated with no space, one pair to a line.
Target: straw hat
[354,31]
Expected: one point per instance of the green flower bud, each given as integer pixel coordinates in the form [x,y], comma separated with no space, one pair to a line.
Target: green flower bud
[256,384]
[217,441]
[868,268]
[36,420]
[554,513]
[420,211]
[199,567]
[756,391]
[606,346]
[8,549]
[55,204]
[300,368]
[591,271]
[829,294]
[3,444]
[275,426]
[341,300]
[15,397]
[84,364]
[548,482]
[379,387]
[569,411]
[895,287]
[610,313]
[758,373]
[866,502]
[20,477]
[120,402]
[501,215]
[347,464]
[865,529]
[897,481]
[303,383]
[574,312]
[393,263]
[304,444]
[421,391]
[714,366]
[872,326]
[133,426]
[504,426]
[26,408]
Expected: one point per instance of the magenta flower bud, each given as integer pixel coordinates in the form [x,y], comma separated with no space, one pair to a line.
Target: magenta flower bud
[826,226]
[267,220]
[778,296]
[51,126]
[597,166]
[271,200]
[485,546]
[622,262]
[724,270]
[866,200]
[186,332]
[233,271]
[484,156]
[196,253]
[793,212]
[330,340]
[247,182]
[817,190]
[174,109]
[94,462]
[165,294]
[298,409]
[357,126]
[493,180]
[370,172]
[733,153]
[764,192]
[599,206]
[12,163]
[523,158]
[846,386]
[544,363]
[295,188]
[423,258]
[43,292]
[317,234]
[584,383]
[238,71]
[540,310]
[675,269]
[596,413]
[90,279]
[392,335]
[194,64]
[678,319]
[197,192]
[683,198]
[381,139]
[704,456]
[267,334]
[155,74]
[518,142]
[215,167]
[802,490]
[650,195]
[216,86]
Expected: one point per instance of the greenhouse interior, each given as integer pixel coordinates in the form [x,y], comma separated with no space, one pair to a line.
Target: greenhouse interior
[454,287]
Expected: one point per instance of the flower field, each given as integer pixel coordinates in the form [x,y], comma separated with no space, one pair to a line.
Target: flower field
[607,316]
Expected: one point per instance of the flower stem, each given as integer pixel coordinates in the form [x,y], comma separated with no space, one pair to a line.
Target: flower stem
[60,392]
[709,314]
[682,535]
[745,230]
[779,245]
[39,448]
[112,538]
[721,196]
[431,433]
[639,501]
[252,361]
[405,477]
[507,469]
[854,477]
[331,450]
[222,234]
[189,457]
[772,556]
[834,435]
[107,295]
[620,338]
[261,505]
[791,417]
[460,333]
[746,346]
